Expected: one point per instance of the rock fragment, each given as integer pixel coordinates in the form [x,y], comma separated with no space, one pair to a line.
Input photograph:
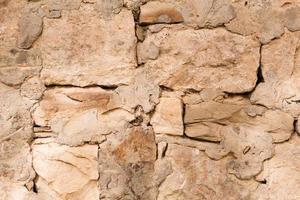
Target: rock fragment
[167,118]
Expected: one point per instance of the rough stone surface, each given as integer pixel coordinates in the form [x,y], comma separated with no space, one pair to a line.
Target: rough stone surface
[167,118]
[149,99]
[107,49]
[197,59]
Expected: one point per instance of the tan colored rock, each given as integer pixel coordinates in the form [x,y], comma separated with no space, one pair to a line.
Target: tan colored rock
[265,19]
[157,12]
[30,28]
[280,69]
[79,115]
[127,165]
[14,114]
[66,172]
[15,64]
[63,5]
[197,59]
[16,192]
[206,120]
[281,173]
[167,118]
[140,93]
[33,88]
[103,54]
[15,162]
[250,147]
[109,8]
[209,13]
[195,176]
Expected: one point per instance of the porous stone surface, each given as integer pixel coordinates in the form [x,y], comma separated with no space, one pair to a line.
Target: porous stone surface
[149,99]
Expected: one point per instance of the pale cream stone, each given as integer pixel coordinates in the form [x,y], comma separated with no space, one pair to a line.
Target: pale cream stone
[92,51]
[280,69]
[66,172]
[198,59]
[205,120]
[167,118]
[281,173]
[158,12]
[196,176]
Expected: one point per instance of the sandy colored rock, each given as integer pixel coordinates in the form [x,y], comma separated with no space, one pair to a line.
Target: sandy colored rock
[210,13]
[197,59]
[167,118]
[265,19]
[30,28]
[206,120]
[72,171]
[79,115]
[103,54]
[280,69]
[33,88]
[157,12]
[140,93]
[127,165]
[109,8]
[282,168]
[205,179]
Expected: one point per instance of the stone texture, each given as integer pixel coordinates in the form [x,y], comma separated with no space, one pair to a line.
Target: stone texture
[229,65]
[167,118]
[210,13]
[265,19]
[103,54]
[280,69]
[66,172]
[207,119]
[149,99]
[80,115]
[281,173]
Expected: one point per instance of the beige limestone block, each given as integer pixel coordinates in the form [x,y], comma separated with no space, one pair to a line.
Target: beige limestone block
[66,172]
[195,13]
[195,176]
[281,174]
[157,12]
[206,120]
[280,69]
[82,49]
[167,118]
[79,115]
[265,19]
[198,59]
[126,165]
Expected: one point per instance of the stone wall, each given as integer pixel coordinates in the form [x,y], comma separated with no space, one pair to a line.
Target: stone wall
[149,99]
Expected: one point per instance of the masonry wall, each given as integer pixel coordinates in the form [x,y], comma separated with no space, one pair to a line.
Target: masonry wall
[149,100]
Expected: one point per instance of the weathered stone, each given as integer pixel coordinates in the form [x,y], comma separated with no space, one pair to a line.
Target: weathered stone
[15,162]
[281,174]
[250,147]
[127,165]
[140,93]
[80,115]
[109,8]
[14,114]
[30,28]
[265,19]
[280,69]
[33,88]
[66,172]
[103,54]
[158,12]
[206,120]
[210,13]
[204,178]
[16,75]
[63,5]
[197,59]
[167,118]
